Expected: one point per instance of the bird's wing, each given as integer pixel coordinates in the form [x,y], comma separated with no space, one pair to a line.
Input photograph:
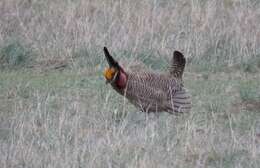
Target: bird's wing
[145,92]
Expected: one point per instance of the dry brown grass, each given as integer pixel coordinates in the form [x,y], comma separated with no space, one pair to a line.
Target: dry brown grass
[209,30]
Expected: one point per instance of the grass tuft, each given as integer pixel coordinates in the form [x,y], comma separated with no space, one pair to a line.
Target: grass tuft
[14,54]
[249,91]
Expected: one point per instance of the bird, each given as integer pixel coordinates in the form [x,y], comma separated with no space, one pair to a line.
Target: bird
[151,91]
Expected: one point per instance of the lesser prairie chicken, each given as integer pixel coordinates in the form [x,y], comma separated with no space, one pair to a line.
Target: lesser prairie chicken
[151,92]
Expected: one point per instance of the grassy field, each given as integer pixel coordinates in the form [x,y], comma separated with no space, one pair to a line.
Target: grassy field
[56,111]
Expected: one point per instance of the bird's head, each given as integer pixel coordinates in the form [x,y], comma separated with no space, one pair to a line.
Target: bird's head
[114,74]
[111,72]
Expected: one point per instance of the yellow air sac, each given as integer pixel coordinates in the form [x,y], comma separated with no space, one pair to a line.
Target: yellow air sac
[109,73]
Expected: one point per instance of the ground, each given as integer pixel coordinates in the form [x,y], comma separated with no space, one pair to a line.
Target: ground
[66,118]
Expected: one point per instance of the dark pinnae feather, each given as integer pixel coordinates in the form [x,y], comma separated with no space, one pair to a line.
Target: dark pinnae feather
[110,59]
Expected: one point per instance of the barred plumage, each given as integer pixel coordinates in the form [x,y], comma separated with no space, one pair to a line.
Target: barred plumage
[153,92]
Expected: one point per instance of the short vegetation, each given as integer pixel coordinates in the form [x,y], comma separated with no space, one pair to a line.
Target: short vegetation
[56,111]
